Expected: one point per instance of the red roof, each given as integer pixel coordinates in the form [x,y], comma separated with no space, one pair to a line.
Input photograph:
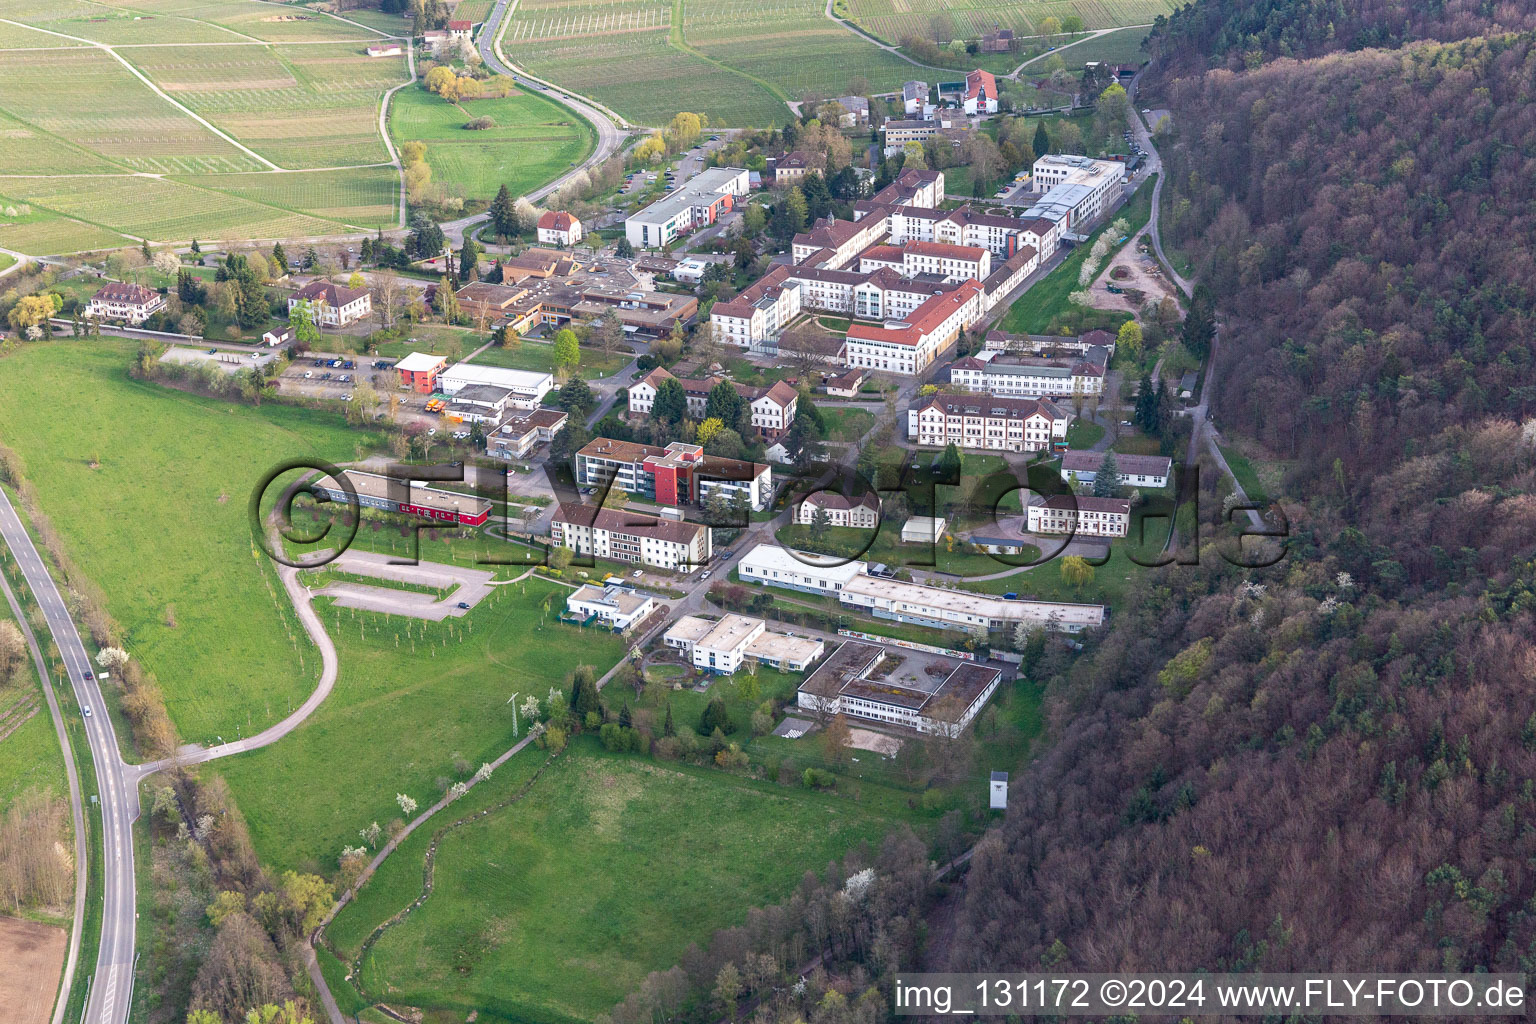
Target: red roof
[920,321]
[945,249]
[979,82]
[122,291]
[559,220]
[460,26]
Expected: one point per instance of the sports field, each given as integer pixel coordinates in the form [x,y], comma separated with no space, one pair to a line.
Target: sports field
[533,140]
[520,930]
[969,19]
[148,489]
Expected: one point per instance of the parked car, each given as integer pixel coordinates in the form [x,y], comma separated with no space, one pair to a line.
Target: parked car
[725,555]
[464,605]
[706,574]
[319,362]
[308,374]
[1010,596]
[638,573]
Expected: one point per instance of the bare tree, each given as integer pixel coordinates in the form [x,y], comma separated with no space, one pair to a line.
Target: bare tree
[386,297]
[809,349]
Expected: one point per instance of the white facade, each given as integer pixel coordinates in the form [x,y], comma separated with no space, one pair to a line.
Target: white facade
[909,347]
[696,203]
[774,566]
[629,537]
[1077,188]
[998,377]
[1084,516]
[525,384]
[984,423]
[862,512]
[616,607]
[722,646]
[961,609]
[130,303]
[560,228]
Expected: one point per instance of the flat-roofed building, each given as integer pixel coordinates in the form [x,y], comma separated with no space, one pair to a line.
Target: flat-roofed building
[1076,188]
[519,435]
[679,474]
[776,566]
[526,388]
[1134,470]
[420,372]
[614,606]
[696,203]
[923,530]
[960,609]
[723,645]
[630,536]
[893,686]
[390,494]
[1081,515]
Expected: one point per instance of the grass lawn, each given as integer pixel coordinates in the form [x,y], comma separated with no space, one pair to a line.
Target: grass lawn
[522,926]
[847,424]
[1045,307]
[540,356]
[148,488]
[1083,433]
[534,139]
[1044,582]
[30,757]
[435,689]
[888,548]
[1247,475]
[6,260]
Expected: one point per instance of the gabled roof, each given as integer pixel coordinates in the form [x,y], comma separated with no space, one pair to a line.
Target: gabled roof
[991,406]
[556,220]
[632,523]
[1137,465]
[836,502]
[333,295]
[460,26]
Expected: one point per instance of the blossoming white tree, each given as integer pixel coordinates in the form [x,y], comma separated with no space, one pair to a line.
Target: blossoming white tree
[407,805]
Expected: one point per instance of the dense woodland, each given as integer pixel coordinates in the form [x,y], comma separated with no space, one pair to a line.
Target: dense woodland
[1332,763]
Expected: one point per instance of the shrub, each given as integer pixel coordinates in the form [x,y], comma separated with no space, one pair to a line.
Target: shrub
[481,123]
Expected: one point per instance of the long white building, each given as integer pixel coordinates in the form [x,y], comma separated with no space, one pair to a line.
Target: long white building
[908,347]
[775,566]
[724,645]
[1076,188]
[1026,378]
[961,609]
[697,203]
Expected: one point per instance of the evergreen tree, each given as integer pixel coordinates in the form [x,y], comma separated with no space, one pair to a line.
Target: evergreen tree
[715,717]
[144,248]
[195,247]
[282,257]
[724,403]
[625,721]
[1107,481]
[1200,325]
[1042,140]
[365,252]
[624,250]
[1145,415]
[671,405]
[469,260]
[311,259]
[503,216]
[188,288]
[667,728]
[950,465]
[584,697]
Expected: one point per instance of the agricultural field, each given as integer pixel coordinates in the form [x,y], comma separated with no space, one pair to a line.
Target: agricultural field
[86,97]
[159,208]
[1119,47]
[299,106]
[969,19]
[512,930]
[534,140]
[368,197]
[792,46]
[291,84]
[148,488]
[629,57]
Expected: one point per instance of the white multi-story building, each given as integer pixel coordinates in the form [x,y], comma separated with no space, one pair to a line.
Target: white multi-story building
[1076,188]
[723,645]
[697,203]
[333,305]
[759,313]
[118,300]
[678,474]
[832,243]
[630,537]
[1085,516]
[950,263]
[863,511]
[1024,378]
[986,423]
[556,227]
[908,347]
[774,566]
[773,408]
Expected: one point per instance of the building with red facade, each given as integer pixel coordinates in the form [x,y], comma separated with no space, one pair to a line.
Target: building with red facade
[406,498]
[679,474]
[420,372]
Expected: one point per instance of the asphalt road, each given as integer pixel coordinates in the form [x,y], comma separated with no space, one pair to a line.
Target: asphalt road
[610,136]
[111,987]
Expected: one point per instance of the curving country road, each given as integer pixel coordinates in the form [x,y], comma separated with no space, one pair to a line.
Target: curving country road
[111,986]
[612,130]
